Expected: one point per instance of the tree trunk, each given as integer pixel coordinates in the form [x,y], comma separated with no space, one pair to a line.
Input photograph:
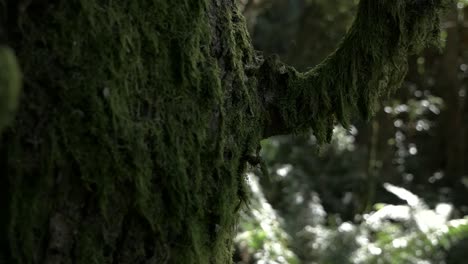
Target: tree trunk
[451,129]
[137,119]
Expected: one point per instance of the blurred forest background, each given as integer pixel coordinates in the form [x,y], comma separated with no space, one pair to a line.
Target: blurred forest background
[392,190]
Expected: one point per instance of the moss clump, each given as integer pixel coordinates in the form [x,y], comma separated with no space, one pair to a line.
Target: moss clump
[371,61]
[10,85]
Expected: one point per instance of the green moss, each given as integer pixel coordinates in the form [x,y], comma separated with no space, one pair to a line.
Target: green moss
[127,102]
[371,61]
[10,85]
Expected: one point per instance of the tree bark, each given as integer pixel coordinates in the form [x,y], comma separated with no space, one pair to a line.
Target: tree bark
[137,119]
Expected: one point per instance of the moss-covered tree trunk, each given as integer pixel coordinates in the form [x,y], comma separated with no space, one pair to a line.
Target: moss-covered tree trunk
[137,119]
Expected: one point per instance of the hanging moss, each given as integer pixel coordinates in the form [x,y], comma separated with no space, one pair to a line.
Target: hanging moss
[370,62]
[10,85]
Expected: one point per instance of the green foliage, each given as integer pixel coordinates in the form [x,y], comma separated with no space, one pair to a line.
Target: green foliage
[410,233]
[301,171]
[261,234]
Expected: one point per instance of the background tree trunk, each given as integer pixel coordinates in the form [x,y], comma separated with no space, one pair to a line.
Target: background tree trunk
[137,119]
[452,128]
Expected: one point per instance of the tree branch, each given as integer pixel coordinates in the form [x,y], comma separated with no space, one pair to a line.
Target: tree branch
[371,61]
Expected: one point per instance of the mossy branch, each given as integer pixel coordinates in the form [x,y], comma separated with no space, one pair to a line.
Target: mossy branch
[371,61]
